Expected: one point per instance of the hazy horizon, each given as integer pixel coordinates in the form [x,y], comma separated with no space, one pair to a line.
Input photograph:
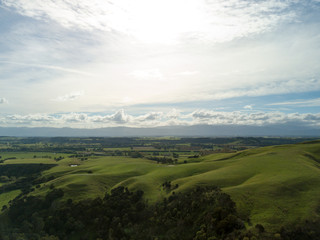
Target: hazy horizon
[277,130]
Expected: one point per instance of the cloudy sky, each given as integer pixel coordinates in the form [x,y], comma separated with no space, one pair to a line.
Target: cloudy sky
[142,63]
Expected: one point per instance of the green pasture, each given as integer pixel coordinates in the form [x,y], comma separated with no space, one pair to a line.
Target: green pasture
[272,186]
[6,197]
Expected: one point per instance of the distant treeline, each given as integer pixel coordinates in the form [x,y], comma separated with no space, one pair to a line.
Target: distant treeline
[71,144]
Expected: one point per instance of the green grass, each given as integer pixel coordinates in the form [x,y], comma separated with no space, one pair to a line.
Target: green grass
[6,197]
[117,149]
[273,186]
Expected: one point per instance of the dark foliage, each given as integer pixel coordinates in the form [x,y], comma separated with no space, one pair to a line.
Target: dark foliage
[200,214]
[26,176]
[122,214]
[23,170]
[307,231]
[162,159]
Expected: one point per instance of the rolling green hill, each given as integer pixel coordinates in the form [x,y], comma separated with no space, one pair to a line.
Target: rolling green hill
[273,186]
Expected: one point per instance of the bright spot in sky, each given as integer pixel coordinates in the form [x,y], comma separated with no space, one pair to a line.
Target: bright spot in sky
[164,21]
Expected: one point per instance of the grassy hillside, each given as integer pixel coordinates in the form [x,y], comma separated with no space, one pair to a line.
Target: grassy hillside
[273,186]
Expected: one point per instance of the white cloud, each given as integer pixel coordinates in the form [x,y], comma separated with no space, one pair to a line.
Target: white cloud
[149,117]
[68,70]
[262,86]
[74,117]
[70,96]
[217,21]
[80,14]
[301,103]
[3,100]
[155,119]
[256,118]
[173,114]
[120,117]
[248,107]
[27,120]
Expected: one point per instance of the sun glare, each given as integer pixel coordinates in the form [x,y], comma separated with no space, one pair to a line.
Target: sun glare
[162,21]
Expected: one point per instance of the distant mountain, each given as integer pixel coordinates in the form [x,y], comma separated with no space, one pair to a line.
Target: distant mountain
[196,130]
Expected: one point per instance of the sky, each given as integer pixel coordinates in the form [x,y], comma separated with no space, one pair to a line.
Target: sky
[148,63]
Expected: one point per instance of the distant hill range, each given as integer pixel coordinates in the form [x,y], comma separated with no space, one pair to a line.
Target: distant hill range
[283,130]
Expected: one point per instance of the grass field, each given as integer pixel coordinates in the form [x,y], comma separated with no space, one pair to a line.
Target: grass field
[273,186]
[6,197]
